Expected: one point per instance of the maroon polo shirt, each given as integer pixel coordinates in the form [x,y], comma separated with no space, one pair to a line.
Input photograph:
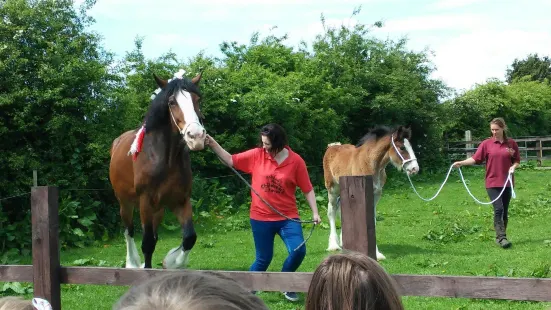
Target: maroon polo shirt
[499,157]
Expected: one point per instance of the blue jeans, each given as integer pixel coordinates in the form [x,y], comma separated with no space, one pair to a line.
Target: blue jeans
[264,233]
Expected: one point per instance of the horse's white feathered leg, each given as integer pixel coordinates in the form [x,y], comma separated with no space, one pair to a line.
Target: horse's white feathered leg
[376,197]
[332,210]
[132,256]
[176,258]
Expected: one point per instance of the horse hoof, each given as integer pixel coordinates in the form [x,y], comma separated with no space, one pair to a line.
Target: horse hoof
[380,256]
[333,248]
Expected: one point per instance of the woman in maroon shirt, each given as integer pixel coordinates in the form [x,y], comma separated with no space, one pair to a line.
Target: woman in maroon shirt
[502,157]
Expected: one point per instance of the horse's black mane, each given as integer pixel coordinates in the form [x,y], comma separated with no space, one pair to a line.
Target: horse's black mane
[374,134]
[158,116]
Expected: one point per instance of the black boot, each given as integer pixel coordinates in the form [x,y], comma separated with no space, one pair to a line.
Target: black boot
[501,237]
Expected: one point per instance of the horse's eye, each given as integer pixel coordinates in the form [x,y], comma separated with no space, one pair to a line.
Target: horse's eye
[403,148]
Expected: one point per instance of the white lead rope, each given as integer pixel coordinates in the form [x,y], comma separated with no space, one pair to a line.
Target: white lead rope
[509,180]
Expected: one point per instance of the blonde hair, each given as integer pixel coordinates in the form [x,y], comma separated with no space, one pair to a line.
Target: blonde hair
[191,290]
[501,123]
[15,303]
[352,281]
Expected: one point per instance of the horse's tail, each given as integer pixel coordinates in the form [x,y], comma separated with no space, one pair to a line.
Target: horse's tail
[333,144]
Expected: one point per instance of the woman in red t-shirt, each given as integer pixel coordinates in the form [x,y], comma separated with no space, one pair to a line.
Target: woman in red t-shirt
[502,157]
[276,173]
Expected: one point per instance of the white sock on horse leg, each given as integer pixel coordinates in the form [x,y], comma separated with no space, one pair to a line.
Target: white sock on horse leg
[132,256]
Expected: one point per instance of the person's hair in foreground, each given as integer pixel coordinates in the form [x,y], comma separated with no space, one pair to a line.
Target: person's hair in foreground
[15,303]
[190,290]
[352,281]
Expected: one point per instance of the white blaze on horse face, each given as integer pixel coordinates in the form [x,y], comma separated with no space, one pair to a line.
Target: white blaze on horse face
[194,134]
[412,167]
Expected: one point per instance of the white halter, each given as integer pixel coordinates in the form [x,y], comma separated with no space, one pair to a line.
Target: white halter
[404,161]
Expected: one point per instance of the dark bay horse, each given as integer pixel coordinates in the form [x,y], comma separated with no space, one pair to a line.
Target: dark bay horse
[370,156]
[158,174]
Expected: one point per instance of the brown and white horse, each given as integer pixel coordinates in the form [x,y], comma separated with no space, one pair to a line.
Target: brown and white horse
[158,174]
[369,157]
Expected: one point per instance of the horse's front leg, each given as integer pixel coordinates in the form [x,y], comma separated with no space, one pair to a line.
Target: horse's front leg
[332,209]
[150,217]
[132,256]
[179,257]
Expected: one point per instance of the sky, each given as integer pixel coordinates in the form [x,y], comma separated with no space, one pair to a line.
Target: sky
[470,40]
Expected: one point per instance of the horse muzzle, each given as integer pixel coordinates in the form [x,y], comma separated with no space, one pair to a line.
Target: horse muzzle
[411,166]
[195,136]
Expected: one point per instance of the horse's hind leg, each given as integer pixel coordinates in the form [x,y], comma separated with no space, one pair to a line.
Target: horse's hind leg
[333,209]
[179,257]
[376,197]
[132,256]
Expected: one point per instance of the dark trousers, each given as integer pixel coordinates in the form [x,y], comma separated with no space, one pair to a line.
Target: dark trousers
[501,208]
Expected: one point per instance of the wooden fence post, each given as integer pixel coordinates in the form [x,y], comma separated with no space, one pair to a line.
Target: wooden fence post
[358,214]
[45,244]
[468,146]
[540,153]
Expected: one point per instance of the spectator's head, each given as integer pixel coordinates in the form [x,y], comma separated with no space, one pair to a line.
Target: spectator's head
[352,281]
[15,303]
[191,290]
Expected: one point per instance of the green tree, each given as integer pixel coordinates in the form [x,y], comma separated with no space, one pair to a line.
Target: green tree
[371,82]
[525,106]
[54,86]
[533,67]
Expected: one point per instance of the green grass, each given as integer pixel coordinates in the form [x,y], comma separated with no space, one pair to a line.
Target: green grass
[451,235]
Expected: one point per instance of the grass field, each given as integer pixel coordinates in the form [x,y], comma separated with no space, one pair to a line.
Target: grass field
[451,235]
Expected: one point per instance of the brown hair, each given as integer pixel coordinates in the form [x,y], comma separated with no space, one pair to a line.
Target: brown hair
[192,290]
[501,123]
[15,303]
[352,281]
[277,136]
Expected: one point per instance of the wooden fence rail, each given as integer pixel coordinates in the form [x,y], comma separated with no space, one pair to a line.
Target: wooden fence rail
[463,149]
[358,234]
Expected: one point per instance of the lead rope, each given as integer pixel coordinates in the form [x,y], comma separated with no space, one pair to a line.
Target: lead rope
[508,180]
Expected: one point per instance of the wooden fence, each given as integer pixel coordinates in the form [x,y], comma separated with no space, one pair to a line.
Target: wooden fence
[538,148]
[358,225]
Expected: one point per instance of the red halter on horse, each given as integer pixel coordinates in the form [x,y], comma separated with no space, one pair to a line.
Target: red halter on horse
[158,174]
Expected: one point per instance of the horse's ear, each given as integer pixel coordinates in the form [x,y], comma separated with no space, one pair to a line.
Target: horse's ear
[160,82]
[197,78]
[407,131]
[401,132]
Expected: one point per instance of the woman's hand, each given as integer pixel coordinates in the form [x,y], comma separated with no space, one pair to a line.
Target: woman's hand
[467,162]
[208,140]
[316,218]
[458,164]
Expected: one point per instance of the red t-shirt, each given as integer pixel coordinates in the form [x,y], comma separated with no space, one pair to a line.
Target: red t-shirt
[275,183]
[499,157]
